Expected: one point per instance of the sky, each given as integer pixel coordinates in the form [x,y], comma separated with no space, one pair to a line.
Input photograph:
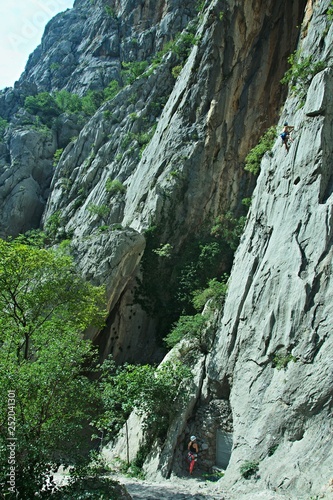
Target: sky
[22,24]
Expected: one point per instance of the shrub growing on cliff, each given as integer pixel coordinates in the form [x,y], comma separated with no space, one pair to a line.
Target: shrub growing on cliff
[302,70]
[249,468]
[3,126]
[44,106]
[151,392]
[330,12]
[114,186]
[186,325]
[215,292]
[44,307]
[253,159]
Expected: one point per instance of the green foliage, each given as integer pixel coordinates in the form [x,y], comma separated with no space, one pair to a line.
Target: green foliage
[44,106]
[191,326]
[215,292]
[44,308]
[247,202]
[92,101]
[253,159]
[114,186]
[56,156]
[48,107]
[110,12]
[107,114]
[54,66]
[176,71]
[151,392]
[200,5]
[111,90]
[52,225]
[280,360]
[249,468]
[164,250]
[68,102]
[33,237]
[330,12]
[184,43]
[3,126]
[132,70]
[229,229]
[302,70]
[99,210]
[213,476]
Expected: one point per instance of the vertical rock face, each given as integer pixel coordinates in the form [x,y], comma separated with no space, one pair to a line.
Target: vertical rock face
[83,47]
[274,343]
[227,94]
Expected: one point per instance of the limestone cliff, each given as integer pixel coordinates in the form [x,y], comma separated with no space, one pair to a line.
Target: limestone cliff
[168,152]
[274,347]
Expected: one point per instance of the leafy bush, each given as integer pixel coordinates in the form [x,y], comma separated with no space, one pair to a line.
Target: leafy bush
[99,210]
[176,71]
[89,488]
[330,12]
[216,291]
[92,101]
[68,102]
[301,71]
[132,70]
[164,250]
[184,43]
[109,11]
[3,126]
[56,156]
[229,228]
[152,392]
[44,106]
[186,325]
[111,90]
[280,360]
[114,186]
[53,224]
[253,159]
[249,468]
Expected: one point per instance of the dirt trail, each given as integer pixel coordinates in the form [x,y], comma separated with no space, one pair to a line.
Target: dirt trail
[175,488]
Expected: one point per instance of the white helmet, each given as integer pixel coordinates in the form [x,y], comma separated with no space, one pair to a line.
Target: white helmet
[193,438]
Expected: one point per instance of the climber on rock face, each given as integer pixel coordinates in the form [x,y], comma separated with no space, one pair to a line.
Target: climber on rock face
[285,135]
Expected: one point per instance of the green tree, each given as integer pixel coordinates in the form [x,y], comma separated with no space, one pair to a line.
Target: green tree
[44,308]
[44,106]
[68,102]
[152,392]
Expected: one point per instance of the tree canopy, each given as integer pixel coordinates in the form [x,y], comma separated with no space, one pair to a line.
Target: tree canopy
[44,308]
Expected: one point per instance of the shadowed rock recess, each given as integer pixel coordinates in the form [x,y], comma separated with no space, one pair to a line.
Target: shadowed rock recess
[155,164]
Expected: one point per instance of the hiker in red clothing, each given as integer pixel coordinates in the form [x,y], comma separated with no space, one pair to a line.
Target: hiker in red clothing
[193,450]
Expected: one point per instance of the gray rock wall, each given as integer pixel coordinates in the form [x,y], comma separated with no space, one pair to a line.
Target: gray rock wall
[274,342]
